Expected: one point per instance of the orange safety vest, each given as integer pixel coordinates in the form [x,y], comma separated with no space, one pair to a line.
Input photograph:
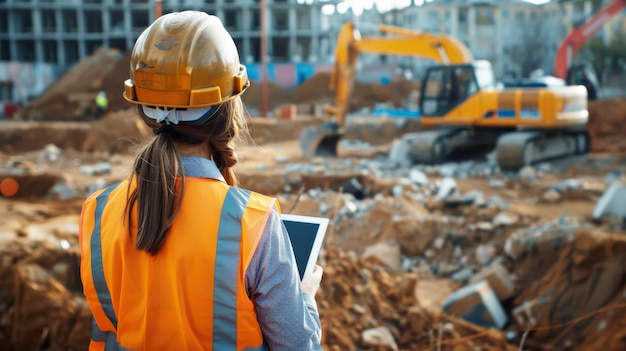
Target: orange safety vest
[191,295]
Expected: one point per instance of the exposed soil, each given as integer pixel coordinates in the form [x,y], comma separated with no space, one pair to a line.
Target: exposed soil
[395,249]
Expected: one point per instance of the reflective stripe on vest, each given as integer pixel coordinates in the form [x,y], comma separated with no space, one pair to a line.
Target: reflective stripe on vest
[226,266]
[97,272]
[97,268]
[108,338]
[225,277]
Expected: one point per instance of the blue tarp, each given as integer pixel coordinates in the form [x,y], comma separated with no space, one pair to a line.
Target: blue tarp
[303,71]
[396,113]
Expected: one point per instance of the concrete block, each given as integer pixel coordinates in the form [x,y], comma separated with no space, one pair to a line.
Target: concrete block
[95,186]
[380,337]
[52,153]
[478,304]
[463,275]
[99,168]
[504,219]
[485,252]
[447,187]
[399,152]
[528,173]
[611,204]
[418,177]
[529,312]
[499,280]
[386,252]
[496,183]
[470,198]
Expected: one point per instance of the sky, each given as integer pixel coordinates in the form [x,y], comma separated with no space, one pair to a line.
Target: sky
[384,5]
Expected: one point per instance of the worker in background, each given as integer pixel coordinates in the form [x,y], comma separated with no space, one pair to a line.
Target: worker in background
[177,257]
[102,103]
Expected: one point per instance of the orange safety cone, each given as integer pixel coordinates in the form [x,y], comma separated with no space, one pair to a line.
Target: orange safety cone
[9,187]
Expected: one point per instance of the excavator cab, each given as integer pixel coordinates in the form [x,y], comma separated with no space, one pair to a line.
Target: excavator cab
[584,75]
[445,87]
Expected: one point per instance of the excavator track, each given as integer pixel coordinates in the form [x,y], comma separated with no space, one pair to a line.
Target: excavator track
[431,146]
[517,149]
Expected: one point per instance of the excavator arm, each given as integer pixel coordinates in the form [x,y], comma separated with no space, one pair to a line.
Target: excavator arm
[397,41]
[577,37]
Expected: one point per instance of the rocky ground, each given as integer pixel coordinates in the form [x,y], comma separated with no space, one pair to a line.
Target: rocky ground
[402,239]
[457,256]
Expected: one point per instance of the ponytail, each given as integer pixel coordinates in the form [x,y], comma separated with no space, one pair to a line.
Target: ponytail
[157,195]
[225,158]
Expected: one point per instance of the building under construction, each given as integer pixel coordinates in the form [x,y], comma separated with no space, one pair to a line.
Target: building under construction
[64,31]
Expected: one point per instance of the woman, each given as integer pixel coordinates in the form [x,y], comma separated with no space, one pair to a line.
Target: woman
[177,257]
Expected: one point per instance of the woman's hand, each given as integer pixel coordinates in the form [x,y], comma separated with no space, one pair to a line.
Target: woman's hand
[311,281]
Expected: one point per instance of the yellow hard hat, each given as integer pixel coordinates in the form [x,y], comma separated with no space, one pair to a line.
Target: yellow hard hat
[185,60]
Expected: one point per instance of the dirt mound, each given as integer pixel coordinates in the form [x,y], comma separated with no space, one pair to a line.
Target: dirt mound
[117,132]
[590,274]
[44,307]
[314,89]
[264,130]
[607,125]
[16,137]
[395,93]
[276,95]
[72,96]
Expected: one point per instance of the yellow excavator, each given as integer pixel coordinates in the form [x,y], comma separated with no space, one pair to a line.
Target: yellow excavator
[460,104]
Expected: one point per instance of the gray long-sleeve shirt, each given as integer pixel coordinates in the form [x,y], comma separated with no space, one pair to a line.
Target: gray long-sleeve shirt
[289,318]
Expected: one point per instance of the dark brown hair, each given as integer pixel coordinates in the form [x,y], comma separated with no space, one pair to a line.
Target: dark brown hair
[157,166]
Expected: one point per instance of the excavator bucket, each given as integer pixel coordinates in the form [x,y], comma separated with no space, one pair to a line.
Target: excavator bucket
[320,140]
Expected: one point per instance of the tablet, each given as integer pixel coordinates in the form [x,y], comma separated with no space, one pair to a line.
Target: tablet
[306,234]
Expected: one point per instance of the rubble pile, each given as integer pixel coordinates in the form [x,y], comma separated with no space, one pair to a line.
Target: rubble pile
[408,245]
[590,273]
[41,302]
[607,125]
[41,299]
[363,306]
[455,256]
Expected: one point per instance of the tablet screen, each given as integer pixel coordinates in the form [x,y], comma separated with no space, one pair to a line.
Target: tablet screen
[306,235]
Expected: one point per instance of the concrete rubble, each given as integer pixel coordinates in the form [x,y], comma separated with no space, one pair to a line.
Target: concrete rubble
[407,223]
[456,256]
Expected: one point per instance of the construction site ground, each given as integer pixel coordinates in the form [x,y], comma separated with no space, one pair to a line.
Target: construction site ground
[402,238]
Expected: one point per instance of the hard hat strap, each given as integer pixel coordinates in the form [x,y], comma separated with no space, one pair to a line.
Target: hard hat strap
[174,116]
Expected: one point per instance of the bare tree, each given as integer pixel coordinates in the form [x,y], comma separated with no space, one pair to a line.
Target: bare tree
[529,54]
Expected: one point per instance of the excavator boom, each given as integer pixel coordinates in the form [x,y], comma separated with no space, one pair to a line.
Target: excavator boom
[400,42]
[577,37]
[323,140]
